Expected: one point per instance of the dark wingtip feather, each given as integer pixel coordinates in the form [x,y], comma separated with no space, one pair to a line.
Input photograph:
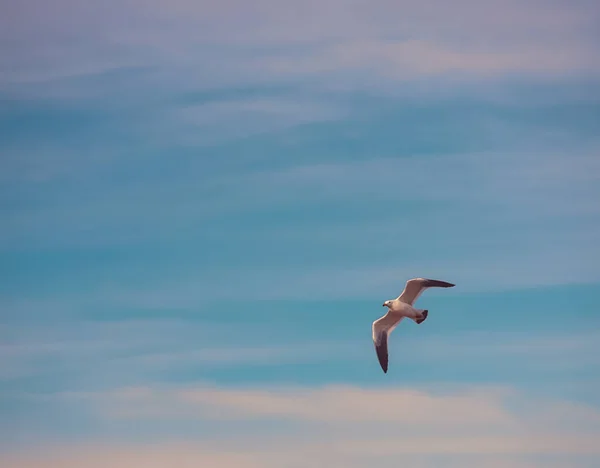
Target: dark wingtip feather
[439,284]
[382,354]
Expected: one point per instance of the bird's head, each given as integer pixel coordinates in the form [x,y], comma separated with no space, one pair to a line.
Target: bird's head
[387,303]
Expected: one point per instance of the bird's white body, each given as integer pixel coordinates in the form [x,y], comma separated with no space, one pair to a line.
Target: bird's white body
[399,308]
[402,309]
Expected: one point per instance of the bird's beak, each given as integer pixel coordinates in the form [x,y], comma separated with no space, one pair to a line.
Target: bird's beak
[383,304]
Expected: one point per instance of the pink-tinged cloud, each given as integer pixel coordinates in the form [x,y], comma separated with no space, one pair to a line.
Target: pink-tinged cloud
[342,405]
[418,452]
[334,426]
[494,416]
[239,41]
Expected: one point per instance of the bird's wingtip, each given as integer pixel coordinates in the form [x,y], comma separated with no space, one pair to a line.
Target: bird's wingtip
[444,284]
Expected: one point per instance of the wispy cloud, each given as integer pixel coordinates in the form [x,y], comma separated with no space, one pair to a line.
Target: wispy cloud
[135,352]
[410,59]
[478,198]
[224,120]
[538,182]
[139,350]
[213,45]
[289,454]
[331,405]
[344,426]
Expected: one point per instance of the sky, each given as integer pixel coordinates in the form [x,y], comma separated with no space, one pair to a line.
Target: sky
[204,205]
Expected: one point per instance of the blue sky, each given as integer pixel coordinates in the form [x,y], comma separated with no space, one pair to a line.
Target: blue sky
[203,207]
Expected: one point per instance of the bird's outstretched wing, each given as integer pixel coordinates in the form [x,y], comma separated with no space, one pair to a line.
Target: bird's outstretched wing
[415,287]
[381,331]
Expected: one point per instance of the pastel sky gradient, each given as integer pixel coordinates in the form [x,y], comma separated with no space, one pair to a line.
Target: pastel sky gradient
[203,206]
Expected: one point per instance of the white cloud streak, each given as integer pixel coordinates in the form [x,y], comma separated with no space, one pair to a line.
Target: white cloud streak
[522,204]
[138,350]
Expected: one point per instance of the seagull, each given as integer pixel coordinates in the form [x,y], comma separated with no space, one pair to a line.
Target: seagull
[399,308]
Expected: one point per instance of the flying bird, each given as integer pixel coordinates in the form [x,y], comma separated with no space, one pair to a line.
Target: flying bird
[399,308]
